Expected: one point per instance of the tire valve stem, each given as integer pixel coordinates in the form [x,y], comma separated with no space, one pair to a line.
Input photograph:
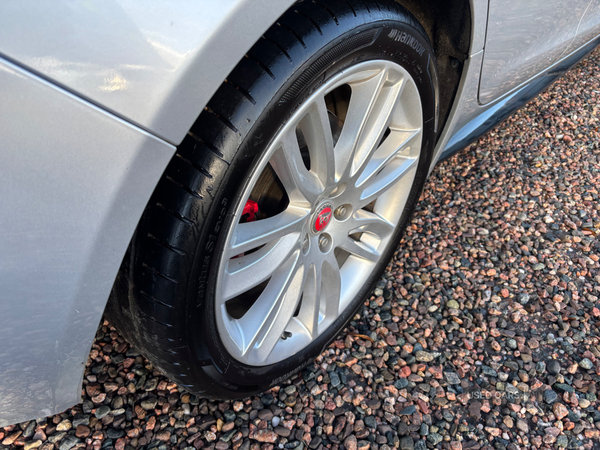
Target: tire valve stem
[285,335]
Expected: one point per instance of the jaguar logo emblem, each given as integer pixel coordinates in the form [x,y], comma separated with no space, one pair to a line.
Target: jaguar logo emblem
[322,218]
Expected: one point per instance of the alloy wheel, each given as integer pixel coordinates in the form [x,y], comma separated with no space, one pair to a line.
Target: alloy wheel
[345,169]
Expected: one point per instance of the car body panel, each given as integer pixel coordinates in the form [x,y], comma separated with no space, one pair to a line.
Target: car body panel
[523,39]
[469,119]
[155,63]
[96,94]
[75,181]
[465,106]
[479,18]
[588,27]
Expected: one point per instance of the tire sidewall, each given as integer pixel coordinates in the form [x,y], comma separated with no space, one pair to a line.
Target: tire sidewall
[395,41]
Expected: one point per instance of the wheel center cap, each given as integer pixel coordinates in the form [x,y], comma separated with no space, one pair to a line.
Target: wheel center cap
[322,217]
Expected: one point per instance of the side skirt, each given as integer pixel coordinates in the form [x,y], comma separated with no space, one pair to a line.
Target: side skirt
[490,117]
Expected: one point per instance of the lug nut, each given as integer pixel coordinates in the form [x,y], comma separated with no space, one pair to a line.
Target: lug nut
[342,212]
[323,242]
[305,244]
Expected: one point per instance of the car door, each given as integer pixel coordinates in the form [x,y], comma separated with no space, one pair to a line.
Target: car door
[588,27]
[524,38]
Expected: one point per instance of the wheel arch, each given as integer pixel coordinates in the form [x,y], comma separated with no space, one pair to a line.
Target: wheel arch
[450,26]
[456,29]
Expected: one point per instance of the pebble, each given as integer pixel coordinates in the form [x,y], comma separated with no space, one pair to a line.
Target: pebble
[351,443]
[370,422]
[265,414]
[68,442]
[434,438]
[282,431]
[407,443]
[553,367]
[560,410]
[453,304]
[363,445]
[32,444]
[149,404]
[102,411]
[540,367]
[584,403]
[452,378]
[264,435]
[586,364]
[423,356]
[65,425]
[486,370]
[523,425]
[334,379]
[550,396]
[151,384]
[408,410]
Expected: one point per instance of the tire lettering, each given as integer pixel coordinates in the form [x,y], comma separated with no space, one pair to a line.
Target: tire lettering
[405,38]
[209,248]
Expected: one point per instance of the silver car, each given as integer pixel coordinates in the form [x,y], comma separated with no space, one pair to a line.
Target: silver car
[227,180]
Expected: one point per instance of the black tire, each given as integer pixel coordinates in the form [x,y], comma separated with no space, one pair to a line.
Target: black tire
[162,299]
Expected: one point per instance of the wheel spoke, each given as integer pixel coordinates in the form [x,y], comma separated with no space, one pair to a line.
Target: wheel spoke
[311,300]
[301,185]
[371,105]
[316,129]
[265,322]
[249,235]
[245,272]
[321,293]
[359,249]
[367,222]
[408,103]
[332,286]
[399,143]
[393,172]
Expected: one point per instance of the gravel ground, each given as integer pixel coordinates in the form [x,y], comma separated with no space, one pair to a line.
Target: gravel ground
[483,334]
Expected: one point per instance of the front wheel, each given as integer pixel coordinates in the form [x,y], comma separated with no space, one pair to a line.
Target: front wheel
[286,201]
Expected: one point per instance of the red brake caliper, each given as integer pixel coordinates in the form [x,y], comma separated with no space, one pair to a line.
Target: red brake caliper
[248,215]
[250,211]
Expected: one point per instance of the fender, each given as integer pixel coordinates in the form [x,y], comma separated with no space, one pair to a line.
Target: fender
[155,64]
